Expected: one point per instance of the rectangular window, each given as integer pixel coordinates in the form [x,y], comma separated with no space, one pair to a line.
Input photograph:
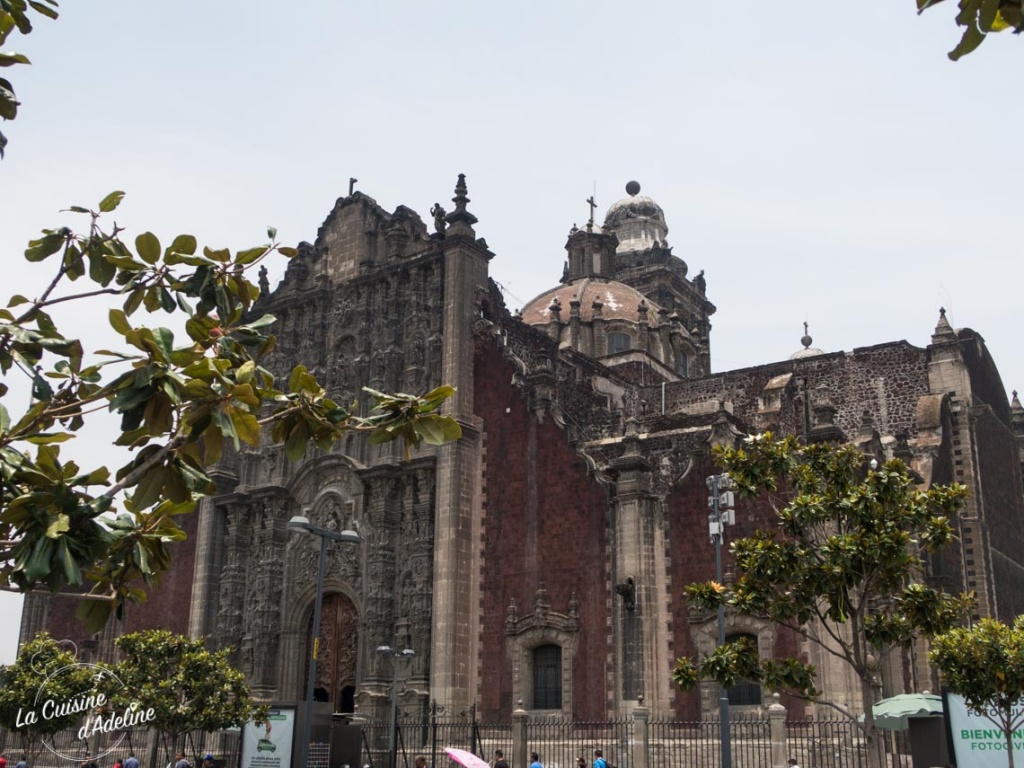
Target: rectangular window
[547,677]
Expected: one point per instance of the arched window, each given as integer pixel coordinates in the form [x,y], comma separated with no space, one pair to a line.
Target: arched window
[547,677]
[618,342]
[744,692]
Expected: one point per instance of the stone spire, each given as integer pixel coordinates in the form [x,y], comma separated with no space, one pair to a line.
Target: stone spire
[460,220]
[943,330]
[1017,415]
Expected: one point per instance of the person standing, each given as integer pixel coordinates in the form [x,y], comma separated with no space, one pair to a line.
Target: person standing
[599,761]
[180,761]
[535,761]
[132,761]
[793,763]
[23,763]
[499,759]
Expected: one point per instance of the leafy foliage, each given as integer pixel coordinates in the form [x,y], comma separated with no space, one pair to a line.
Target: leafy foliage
[188,686]
[842,568]
[45,669]
[979,18]
[180,403]
[985,665]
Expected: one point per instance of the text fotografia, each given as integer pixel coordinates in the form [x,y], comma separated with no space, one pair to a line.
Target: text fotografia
[103,722]
[986,739]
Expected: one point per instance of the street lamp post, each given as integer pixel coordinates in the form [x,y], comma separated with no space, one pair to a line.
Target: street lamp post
[301,523]
[720,501]
[388,652]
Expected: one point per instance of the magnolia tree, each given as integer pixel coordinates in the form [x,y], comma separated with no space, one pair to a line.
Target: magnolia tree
[841,568]
[181,685]
[37,689]
[985,665]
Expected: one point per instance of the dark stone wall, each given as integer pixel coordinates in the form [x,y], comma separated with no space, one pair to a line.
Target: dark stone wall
[1000,483]
[886,380]
[545,520]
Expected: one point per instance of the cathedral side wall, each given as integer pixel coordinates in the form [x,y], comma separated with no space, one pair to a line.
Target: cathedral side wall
[545,522]
[1003,506]
[692,558]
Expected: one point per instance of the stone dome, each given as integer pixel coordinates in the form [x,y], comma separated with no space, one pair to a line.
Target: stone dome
[808,350]
[619,302]
[637,221]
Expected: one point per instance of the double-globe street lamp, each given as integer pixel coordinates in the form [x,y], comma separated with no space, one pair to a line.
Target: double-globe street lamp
[396,656]
[302,524]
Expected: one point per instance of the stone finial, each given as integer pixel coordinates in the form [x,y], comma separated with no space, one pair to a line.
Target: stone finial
[511,615]
[1015,402]
[633,188]
[597,306]
[641,311]
[943,330]
[806,338]
[574,606]
[541,603]
[461,218]
[556,309]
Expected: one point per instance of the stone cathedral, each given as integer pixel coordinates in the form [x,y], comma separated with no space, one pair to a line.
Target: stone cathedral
[539,562]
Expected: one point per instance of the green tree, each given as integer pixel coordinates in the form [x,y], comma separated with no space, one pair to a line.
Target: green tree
[14,15]
[985,665]
[979,18]
[45,671]
[187,686]
[842,570]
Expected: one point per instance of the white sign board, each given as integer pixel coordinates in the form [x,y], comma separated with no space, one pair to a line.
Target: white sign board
[977,741]
[269,745]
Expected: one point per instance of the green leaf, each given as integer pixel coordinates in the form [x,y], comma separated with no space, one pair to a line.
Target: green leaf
[249,256]
[8,59]
[43,9]
[45,246]
[95,614]
[972,38]
[8,101]
[111,201]
[5,420]
[61,525]
[148,247]
[119,321]
[183,244]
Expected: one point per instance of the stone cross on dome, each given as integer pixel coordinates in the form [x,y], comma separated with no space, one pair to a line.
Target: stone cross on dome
[593,204]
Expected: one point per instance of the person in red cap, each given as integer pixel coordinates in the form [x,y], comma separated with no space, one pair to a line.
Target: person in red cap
[3,762]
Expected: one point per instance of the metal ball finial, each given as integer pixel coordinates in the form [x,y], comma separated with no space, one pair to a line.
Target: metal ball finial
[633,188]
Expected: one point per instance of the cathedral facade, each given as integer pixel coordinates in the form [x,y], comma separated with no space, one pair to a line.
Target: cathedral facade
[540,561]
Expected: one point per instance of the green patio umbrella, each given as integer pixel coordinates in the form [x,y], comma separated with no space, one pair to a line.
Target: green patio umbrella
[892,714]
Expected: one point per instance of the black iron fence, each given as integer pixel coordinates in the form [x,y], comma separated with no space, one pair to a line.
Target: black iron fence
[840,744]
[698,743]
[64,749]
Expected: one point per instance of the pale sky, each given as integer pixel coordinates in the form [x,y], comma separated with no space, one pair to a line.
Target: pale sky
[820,161]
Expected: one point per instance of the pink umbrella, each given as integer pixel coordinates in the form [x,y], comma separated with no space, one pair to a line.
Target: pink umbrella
[467,759]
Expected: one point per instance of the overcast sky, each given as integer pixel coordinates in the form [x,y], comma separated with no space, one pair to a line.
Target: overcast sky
[820,161]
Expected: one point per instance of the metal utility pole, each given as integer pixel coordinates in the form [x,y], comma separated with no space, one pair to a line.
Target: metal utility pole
[721,502]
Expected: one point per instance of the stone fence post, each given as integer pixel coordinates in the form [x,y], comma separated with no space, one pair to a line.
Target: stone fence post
[777,725]
[641,735]
[520,757]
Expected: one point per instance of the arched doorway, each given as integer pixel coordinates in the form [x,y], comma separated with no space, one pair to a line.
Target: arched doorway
[339,643]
